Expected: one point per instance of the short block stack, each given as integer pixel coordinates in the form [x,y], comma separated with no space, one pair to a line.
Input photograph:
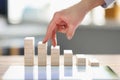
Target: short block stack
[80,60]
[93,62]
[55,53]
[68,54]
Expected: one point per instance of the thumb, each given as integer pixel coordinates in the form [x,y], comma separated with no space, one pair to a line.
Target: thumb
[70,32]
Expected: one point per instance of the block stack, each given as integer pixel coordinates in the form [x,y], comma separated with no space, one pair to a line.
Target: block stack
[68,54]
[42,54]
[29,51]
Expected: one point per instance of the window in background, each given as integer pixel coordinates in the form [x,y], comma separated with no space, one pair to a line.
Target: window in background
[15,9]
[27,10]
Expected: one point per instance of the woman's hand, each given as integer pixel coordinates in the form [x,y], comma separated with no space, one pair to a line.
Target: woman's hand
[67,21]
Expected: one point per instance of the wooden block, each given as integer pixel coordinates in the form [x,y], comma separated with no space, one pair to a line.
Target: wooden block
[29,51]
[55,49]
[93,62]
[55,53]
[42,48]
[42,60]
[29,42]
[41,45]
[42,57]
[80,60]
[42,54]
[28,56]
[68,54]
[28,62]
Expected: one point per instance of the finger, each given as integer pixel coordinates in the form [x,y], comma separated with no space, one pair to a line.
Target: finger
[54,41]
[46,38]
[61,29]
[70,32]
[50,29]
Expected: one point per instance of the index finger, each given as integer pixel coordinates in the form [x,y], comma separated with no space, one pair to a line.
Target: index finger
[49,32]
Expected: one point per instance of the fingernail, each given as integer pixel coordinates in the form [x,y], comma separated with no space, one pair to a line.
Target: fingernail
[43,41]
[54,45]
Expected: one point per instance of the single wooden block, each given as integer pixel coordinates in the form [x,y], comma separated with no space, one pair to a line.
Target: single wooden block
[29,39]
[42,59]
[80,60]
[68,54]
[42,48]
[55,53]
[28,56]
[93,62]
[29,62]
[29,42]
[28,59]
[42,45]
[42,62]
[29,51]
[42,54]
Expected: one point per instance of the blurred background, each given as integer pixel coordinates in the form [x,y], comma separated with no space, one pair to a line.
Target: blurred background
[99,32]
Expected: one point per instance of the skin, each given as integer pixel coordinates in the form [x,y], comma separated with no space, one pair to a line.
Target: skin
[66,21]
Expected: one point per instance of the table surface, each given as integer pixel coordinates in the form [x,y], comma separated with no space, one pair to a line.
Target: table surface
[111,60]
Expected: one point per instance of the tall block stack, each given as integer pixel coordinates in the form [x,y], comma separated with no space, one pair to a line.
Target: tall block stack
[55,53]
[68,57]
[80,60]
[29,51]
[42,54]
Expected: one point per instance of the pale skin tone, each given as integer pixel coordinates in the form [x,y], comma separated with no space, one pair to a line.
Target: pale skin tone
[66,21]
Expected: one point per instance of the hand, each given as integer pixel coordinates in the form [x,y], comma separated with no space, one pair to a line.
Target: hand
[66,21]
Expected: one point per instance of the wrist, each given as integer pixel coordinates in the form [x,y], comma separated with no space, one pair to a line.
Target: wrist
[90,4]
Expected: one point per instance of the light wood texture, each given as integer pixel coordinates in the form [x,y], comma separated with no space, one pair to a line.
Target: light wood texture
[55,54]
[42,54]
[68,54]
[93,62]
[81,60]
[29,51]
